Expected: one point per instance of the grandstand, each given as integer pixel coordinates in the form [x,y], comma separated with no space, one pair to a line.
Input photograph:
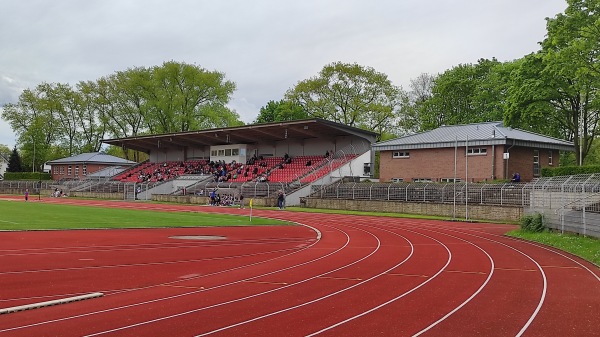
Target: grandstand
[256,160]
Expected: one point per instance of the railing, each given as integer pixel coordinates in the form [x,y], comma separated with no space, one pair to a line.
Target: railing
[585,212]
[568,203]
[460,193]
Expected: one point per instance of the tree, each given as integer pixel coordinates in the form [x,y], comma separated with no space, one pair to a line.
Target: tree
[467,93]
[184,97]
[58,119]
[280,111]
[350,94]
[5,151]
[14,162]
[563,79]
[415,102]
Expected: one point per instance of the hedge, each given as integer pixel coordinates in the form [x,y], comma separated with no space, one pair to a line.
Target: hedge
[569,170]
[27,176]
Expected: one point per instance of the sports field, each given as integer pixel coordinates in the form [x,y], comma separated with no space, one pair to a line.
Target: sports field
[17,215]
[326,275]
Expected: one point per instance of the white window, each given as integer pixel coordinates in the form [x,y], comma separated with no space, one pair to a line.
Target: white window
[550,157]
[69,170]
[85,170]
[476,151]
[401,154]
[235,152]
[422,180]
[536,163]
[213,153]
[397,180]
[77,171]
[228,152]
[450,180]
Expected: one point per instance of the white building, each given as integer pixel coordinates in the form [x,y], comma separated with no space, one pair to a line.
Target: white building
[3,165]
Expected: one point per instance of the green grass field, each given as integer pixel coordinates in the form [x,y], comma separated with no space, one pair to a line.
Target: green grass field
[18,215]
[585,247]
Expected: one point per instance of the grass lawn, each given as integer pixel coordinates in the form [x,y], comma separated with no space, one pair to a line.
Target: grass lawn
[585,247]
[38,215]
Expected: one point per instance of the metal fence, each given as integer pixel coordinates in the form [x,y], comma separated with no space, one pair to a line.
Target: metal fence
[460,193]
[568,204]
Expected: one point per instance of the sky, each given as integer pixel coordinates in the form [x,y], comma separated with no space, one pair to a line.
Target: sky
[265,46]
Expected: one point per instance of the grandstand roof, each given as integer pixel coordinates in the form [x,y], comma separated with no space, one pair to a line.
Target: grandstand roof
[247,134]
[92,157]
[477,134]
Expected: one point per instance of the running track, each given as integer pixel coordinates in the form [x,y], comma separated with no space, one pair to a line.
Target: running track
[334,275]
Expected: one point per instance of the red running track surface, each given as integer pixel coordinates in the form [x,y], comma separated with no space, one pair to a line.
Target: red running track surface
[332,275]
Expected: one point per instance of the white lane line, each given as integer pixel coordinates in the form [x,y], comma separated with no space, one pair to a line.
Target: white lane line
[238,299]
[540,269]
[439,272]
[197,291]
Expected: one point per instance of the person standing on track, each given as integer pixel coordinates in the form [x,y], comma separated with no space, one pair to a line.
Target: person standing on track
[26,194]
[281,200]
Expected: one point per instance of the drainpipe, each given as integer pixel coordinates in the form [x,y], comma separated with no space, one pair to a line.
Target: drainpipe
[493,162]
[508,151]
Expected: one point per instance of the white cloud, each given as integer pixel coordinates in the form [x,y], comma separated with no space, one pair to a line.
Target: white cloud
[265,46]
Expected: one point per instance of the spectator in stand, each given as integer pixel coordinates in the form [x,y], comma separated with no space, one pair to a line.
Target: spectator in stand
[309,163]
[516,177]
[327,154]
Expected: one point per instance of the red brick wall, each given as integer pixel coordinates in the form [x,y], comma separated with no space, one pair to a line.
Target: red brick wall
[91,168]
[436,164]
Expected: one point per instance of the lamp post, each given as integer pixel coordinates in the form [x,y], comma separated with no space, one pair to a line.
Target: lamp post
[33,160]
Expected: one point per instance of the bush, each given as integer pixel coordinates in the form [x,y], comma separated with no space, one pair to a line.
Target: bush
[569,170]
[533,223]
[27,176]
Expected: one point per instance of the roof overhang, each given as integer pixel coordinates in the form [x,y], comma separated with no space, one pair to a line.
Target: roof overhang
[486,142]
[248,134]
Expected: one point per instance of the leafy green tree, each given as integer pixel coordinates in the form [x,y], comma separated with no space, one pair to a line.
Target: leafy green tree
[185,97]
[467,93]
[528,97]
[123,105]
[562,81]
[280,111]
[91,123]
[5,151]
[14,162]
[61,119]
[350,94]
[415,102]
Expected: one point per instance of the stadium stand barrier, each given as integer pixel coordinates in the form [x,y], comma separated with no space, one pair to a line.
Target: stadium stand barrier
[567,203]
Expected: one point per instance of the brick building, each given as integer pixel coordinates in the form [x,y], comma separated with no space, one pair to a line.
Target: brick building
[473,152]
[82,165]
